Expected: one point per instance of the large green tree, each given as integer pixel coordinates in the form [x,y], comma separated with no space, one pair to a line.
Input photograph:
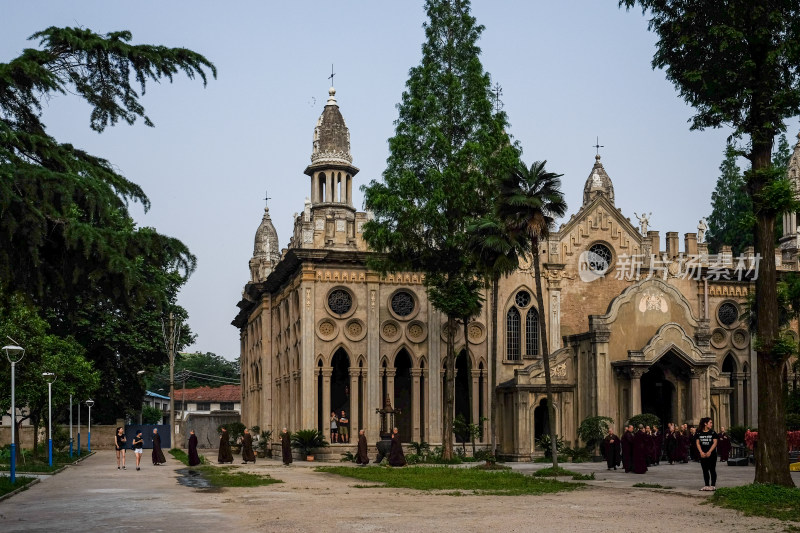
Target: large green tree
[448,143]
[732,221]
[67,240]
[737,62]
[201,369]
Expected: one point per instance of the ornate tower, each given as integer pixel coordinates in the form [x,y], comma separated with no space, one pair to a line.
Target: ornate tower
[598,182]
[329,219]
[790,241]
[266,252]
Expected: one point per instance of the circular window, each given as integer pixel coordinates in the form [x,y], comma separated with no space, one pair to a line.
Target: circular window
[340,302]
[599,259]
[727,314]
[523,298]
[402,304]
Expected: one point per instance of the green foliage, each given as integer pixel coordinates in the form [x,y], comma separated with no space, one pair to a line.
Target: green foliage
[6,486]
[650,486]
[578,455]
[306,440]
[349,457]
[593,429]
[584,477]
[792,422]
[152,415]
[485,455]
[475,480]
[60,438]
[646,419]
[228,477]
[67,239]
[543,442]
[554,472]
[207,363]
[264,438]
[183,457]
[771,501]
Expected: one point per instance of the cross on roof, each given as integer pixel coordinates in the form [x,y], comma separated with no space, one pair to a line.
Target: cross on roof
[497,91]
[266,196]
[597,145]
[332,75]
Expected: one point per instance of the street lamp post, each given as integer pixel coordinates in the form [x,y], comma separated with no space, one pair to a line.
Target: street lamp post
[90,403]
[70,425]
[79,428]
[12,350]
[50,377]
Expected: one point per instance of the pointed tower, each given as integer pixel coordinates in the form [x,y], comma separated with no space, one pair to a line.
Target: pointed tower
[598,182]
[329,219]
[790,241]
[266,251]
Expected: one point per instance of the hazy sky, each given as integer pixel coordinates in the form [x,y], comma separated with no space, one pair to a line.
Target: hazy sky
[570,71]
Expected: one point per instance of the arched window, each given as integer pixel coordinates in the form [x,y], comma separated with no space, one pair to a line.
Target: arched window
[513,338]
[532,332]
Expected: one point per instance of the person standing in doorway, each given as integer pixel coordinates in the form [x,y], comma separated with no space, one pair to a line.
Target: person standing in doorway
[334,427]
[138,447]
[706,441]
[344,427]
[119,446]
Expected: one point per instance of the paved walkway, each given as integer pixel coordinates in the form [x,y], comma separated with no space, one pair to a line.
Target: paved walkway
[94,496]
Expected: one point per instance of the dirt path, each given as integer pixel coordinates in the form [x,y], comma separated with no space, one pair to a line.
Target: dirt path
[95,496]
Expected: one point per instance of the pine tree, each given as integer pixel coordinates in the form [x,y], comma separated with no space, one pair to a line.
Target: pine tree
[731,219]
[448,145]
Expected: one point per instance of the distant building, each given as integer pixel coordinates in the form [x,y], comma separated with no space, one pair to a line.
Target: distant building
[159,401]
[208,399]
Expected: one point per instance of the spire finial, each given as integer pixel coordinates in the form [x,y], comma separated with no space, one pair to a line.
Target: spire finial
[597,147]
[332,75]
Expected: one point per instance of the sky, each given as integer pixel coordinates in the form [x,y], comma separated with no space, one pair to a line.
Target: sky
[570,71]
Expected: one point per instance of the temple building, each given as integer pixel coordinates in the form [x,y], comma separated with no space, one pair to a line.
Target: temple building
[635,324]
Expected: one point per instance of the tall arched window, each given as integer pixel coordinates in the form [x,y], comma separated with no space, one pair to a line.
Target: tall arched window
[513,338]
[532,332]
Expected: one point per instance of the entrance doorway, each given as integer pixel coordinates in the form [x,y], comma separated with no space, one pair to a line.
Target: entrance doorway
[340,383]
[658,395]
[402,394]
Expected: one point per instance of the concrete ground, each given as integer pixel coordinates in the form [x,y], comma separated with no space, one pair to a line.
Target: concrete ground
[95,496]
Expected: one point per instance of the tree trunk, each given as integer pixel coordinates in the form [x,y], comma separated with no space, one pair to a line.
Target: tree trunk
[493,357]
[548,384]
[772,448]
[35,435]
[449,391]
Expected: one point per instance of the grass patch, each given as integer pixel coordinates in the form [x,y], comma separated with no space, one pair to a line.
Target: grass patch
[38,463]
[650,486]
[362,486]
[491,466]
[6,486]
[771,501]
[454,479]
[584,477]
[553,472]
[231,477]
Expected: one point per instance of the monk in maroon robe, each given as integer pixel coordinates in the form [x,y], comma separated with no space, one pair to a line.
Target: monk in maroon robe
[158,455]
[723,445]
[641,449]
[612,450]
[194,459]
[670,442]
[286,447]
[396,455]
[627,448]
[224,455]
[247,447]
[361,455]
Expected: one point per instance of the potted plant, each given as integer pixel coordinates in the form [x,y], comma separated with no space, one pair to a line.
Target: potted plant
[262,448]
[306,440]
[592,431]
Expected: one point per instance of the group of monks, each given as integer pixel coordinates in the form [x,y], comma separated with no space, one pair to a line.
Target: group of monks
[646,446]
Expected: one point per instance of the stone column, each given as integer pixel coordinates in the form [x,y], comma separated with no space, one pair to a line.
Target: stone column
[694,394]
[372,384]
[289,413]
[523,444]
[329,189]
[739,416]
[476,414]
[326,400]
[424,408]
[297,404]
[390,373]
[355,399]
[636,390]
[415,406]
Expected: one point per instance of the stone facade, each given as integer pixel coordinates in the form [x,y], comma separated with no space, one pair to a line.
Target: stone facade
[631,327]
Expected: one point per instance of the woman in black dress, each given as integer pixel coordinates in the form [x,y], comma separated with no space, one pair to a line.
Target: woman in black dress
[119,446]
[138,445]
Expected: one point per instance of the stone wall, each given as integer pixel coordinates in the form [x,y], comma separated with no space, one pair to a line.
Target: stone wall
[102,435]
[205,427]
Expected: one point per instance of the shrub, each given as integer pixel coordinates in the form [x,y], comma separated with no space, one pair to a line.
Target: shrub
[646,419]
[544,443]
[306,440]
[151,415]
[485,455]
[348,457]
[737,434]
[578,455]
[593,430]
[60,438]
[792,422]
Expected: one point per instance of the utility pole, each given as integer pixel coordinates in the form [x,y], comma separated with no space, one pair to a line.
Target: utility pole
[171,337]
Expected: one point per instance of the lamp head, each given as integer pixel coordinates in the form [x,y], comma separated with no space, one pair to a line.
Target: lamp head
[90,402]
[140,372]
[13,350]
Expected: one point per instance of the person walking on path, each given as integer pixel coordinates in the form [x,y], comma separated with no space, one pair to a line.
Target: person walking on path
[247,447]
[706,441]
[158,455]
[361,456]
[119,446]
[612,449]
[224,455]
[138,447]
[194,459]
[286,447]
[396,455]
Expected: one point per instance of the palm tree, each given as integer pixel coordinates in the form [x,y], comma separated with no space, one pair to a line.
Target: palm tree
[497,255]
[529,201]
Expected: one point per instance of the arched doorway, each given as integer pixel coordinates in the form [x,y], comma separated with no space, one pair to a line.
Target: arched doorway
[402,394]
[321,414]
[340,383]
[541,420]
[658,395]
[463,386]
